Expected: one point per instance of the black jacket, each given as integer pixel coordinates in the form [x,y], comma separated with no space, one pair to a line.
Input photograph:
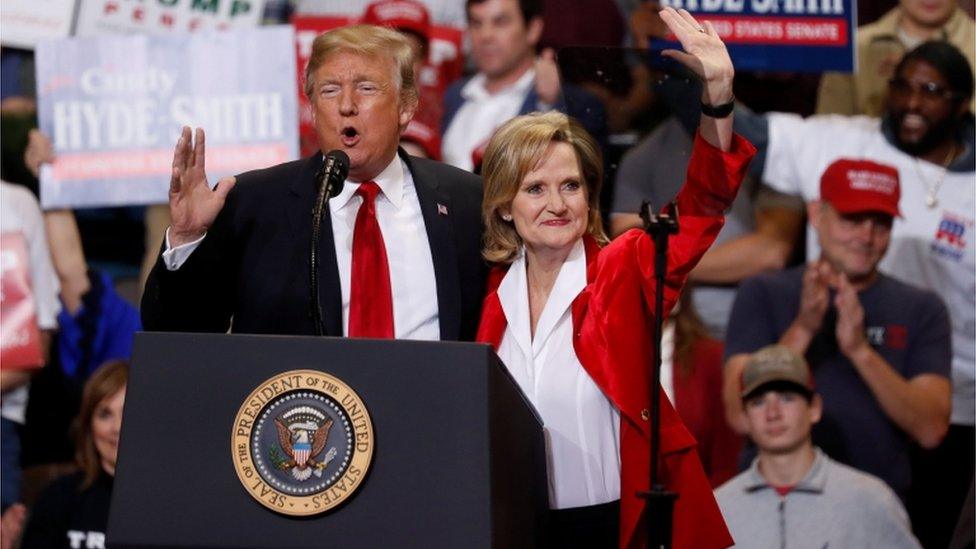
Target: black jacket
[250,273]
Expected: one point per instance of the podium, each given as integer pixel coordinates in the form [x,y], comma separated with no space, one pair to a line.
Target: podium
[458,452]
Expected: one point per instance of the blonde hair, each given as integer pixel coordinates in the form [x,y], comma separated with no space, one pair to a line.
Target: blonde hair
[107,380]
[368,41]
[514,150]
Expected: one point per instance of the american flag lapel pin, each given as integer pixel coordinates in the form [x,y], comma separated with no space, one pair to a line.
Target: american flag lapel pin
[441,209]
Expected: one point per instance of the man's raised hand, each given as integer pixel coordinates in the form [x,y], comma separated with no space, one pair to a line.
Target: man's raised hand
[193,206]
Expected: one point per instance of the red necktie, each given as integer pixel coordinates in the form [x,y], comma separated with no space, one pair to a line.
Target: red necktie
[371,299]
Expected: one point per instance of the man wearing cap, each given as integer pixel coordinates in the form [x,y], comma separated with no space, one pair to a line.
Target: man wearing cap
[793,495]
[879,348]
[927,133]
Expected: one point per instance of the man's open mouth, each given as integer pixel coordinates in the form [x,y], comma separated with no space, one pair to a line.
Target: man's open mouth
[350,136]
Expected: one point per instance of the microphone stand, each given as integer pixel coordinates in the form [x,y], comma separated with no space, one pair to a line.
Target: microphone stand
[325,184]
[660,502]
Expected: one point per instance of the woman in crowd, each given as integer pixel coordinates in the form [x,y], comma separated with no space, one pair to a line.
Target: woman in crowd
[73,511]
[572,322]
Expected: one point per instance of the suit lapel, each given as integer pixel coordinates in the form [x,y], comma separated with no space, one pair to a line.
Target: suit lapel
[436,208]
[530,102]
[299,211]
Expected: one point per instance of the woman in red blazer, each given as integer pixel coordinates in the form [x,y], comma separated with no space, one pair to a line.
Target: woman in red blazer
[571,321]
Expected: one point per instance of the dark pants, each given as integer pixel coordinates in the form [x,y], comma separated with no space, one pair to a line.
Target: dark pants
[9,463]
[940,482]
[591,527]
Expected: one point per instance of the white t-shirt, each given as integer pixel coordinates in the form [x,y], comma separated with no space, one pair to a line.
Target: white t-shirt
[933,248]
[19,212]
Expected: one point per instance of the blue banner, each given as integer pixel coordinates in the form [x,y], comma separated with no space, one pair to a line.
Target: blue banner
[782,35]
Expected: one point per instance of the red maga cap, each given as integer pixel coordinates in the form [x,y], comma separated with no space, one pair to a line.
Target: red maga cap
[424,136]
[858,186]
[402,15]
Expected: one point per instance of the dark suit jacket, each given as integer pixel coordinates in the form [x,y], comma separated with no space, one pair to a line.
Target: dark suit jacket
[251,271]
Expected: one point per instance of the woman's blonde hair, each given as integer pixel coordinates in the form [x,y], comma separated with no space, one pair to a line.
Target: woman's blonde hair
[107,380]
[368,41]
[515,149]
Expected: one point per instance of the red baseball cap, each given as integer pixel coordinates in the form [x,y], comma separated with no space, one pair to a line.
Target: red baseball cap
[424,136]
[402,15]
[858,186]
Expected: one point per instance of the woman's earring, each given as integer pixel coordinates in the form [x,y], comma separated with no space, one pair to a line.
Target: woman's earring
[507,217]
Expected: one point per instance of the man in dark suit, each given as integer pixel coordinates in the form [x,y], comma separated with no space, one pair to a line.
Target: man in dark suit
[400,245]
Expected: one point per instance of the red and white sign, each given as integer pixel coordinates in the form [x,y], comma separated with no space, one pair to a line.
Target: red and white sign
[20,339]
[138,16]
[795,31]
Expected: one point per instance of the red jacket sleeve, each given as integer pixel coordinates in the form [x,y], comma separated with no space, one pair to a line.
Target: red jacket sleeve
[613,339]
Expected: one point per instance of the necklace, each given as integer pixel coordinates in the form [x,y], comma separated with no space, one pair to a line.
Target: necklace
[932,189]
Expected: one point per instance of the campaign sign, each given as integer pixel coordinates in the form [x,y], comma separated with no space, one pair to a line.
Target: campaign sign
[114,107]
[781,35]
[139,16]
[20,338]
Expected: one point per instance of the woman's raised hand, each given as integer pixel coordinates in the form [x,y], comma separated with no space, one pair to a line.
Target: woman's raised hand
[704,54]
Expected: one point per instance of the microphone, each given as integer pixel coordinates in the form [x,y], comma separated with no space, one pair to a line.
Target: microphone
[329,182]
[333,172]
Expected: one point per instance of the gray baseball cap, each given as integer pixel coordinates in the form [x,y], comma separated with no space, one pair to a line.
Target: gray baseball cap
[776,364]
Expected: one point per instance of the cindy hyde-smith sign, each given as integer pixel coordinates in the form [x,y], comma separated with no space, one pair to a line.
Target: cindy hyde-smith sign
[114,106]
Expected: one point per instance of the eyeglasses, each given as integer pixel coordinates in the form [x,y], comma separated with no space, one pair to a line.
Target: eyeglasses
[929,91]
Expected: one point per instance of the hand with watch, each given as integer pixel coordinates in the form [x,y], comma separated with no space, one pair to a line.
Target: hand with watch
[706,56]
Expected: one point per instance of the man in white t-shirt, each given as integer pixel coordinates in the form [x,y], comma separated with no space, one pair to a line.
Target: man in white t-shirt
[928,135]
[20,213]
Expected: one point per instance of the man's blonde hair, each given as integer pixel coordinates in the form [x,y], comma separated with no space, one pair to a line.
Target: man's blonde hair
[368,41]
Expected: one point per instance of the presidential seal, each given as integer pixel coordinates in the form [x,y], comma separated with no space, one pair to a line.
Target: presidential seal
[302,443]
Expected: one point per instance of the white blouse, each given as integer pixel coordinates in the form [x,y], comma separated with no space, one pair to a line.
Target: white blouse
[582,426]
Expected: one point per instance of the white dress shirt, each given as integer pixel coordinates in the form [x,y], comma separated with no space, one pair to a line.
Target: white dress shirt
[479,115]
[412,279]
[667,359]
[582,426]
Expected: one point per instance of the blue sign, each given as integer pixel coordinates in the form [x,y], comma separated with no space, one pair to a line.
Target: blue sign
[781,35]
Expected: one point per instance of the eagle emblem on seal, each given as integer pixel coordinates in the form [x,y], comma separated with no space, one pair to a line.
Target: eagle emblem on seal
[302,435]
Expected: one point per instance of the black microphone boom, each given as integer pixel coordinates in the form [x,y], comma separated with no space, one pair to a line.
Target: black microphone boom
[328,182]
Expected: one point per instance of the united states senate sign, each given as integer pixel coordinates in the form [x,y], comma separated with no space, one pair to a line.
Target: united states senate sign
[302,443]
